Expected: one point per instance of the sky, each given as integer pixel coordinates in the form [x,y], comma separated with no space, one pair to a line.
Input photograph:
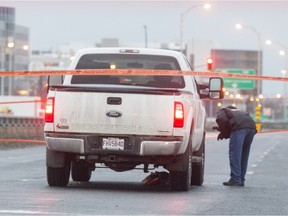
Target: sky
[55,23]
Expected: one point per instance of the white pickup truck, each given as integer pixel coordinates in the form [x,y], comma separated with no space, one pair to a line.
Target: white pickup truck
[127,122]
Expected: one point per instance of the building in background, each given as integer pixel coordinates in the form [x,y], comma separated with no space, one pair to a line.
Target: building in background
[54,59]
[242,93]
[14,53]
[241,62]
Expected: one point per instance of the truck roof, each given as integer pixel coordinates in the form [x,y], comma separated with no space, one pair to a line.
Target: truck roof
[130,50]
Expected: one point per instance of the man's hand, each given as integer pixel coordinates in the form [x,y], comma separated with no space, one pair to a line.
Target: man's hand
[220,136]
[216,128]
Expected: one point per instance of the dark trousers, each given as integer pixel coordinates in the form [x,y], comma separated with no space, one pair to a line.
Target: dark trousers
[239,149]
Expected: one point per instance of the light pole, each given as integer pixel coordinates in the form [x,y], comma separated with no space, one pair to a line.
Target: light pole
[146,36]
[240,26]
[3,49]
[206,6]
[10,46]
[282,52]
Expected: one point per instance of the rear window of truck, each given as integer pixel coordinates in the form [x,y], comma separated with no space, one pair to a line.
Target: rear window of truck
[129,61]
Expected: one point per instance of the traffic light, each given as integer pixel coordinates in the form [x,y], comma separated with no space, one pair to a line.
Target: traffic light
[209,64]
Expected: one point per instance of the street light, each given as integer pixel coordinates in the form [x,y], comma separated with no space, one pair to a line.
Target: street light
[9,48]
[10,45]
[282,52]
[25,47]
[205,6]
[240,26]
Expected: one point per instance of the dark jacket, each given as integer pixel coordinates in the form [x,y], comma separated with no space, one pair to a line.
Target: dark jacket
[229,120]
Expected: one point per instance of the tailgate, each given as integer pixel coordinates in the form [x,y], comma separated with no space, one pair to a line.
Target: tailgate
[114,113]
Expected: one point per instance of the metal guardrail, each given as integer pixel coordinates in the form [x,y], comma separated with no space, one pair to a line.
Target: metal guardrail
[274,125]
[21,128]
[12,121]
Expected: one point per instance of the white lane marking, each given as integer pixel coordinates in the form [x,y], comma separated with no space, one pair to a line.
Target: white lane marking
[249,173]
[20,212]
[260,159]
[30,212]
[25,180]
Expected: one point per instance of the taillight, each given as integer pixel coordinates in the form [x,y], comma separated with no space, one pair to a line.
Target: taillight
[49,110]
[178,115]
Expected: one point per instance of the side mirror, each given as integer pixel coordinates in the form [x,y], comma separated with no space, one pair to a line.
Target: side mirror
[216,85]
[54,80]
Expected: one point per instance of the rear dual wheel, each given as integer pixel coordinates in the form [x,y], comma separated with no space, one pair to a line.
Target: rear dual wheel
[181,180]
[58,177]
[81,171]
[58,167]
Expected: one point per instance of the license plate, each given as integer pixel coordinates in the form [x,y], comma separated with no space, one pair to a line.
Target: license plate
[112,143]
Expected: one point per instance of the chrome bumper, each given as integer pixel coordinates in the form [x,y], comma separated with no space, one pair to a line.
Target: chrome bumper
[147,148]
[159,147]
[65,144]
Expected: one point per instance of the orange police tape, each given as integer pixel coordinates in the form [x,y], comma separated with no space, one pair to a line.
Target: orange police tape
[21,102]
[129,72]
[138,72]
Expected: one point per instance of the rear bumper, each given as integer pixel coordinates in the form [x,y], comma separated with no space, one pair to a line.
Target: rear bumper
[91,144]
[159,147]
[65,144]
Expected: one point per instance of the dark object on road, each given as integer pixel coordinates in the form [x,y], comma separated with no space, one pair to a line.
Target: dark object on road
[157,178]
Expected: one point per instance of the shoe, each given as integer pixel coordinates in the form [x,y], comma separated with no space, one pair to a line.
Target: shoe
[232,182]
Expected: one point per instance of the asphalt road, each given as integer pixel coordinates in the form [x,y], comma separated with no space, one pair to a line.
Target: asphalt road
[24,189]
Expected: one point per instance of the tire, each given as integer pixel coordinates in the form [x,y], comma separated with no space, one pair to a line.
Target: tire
[180,180]
[81,171]
[58,177]
[197,176]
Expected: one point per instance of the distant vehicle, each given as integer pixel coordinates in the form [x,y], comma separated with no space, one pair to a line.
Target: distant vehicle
[126,121]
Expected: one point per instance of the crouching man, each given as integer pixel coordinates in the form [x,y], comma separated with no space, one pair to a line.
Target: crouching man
[240,128]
